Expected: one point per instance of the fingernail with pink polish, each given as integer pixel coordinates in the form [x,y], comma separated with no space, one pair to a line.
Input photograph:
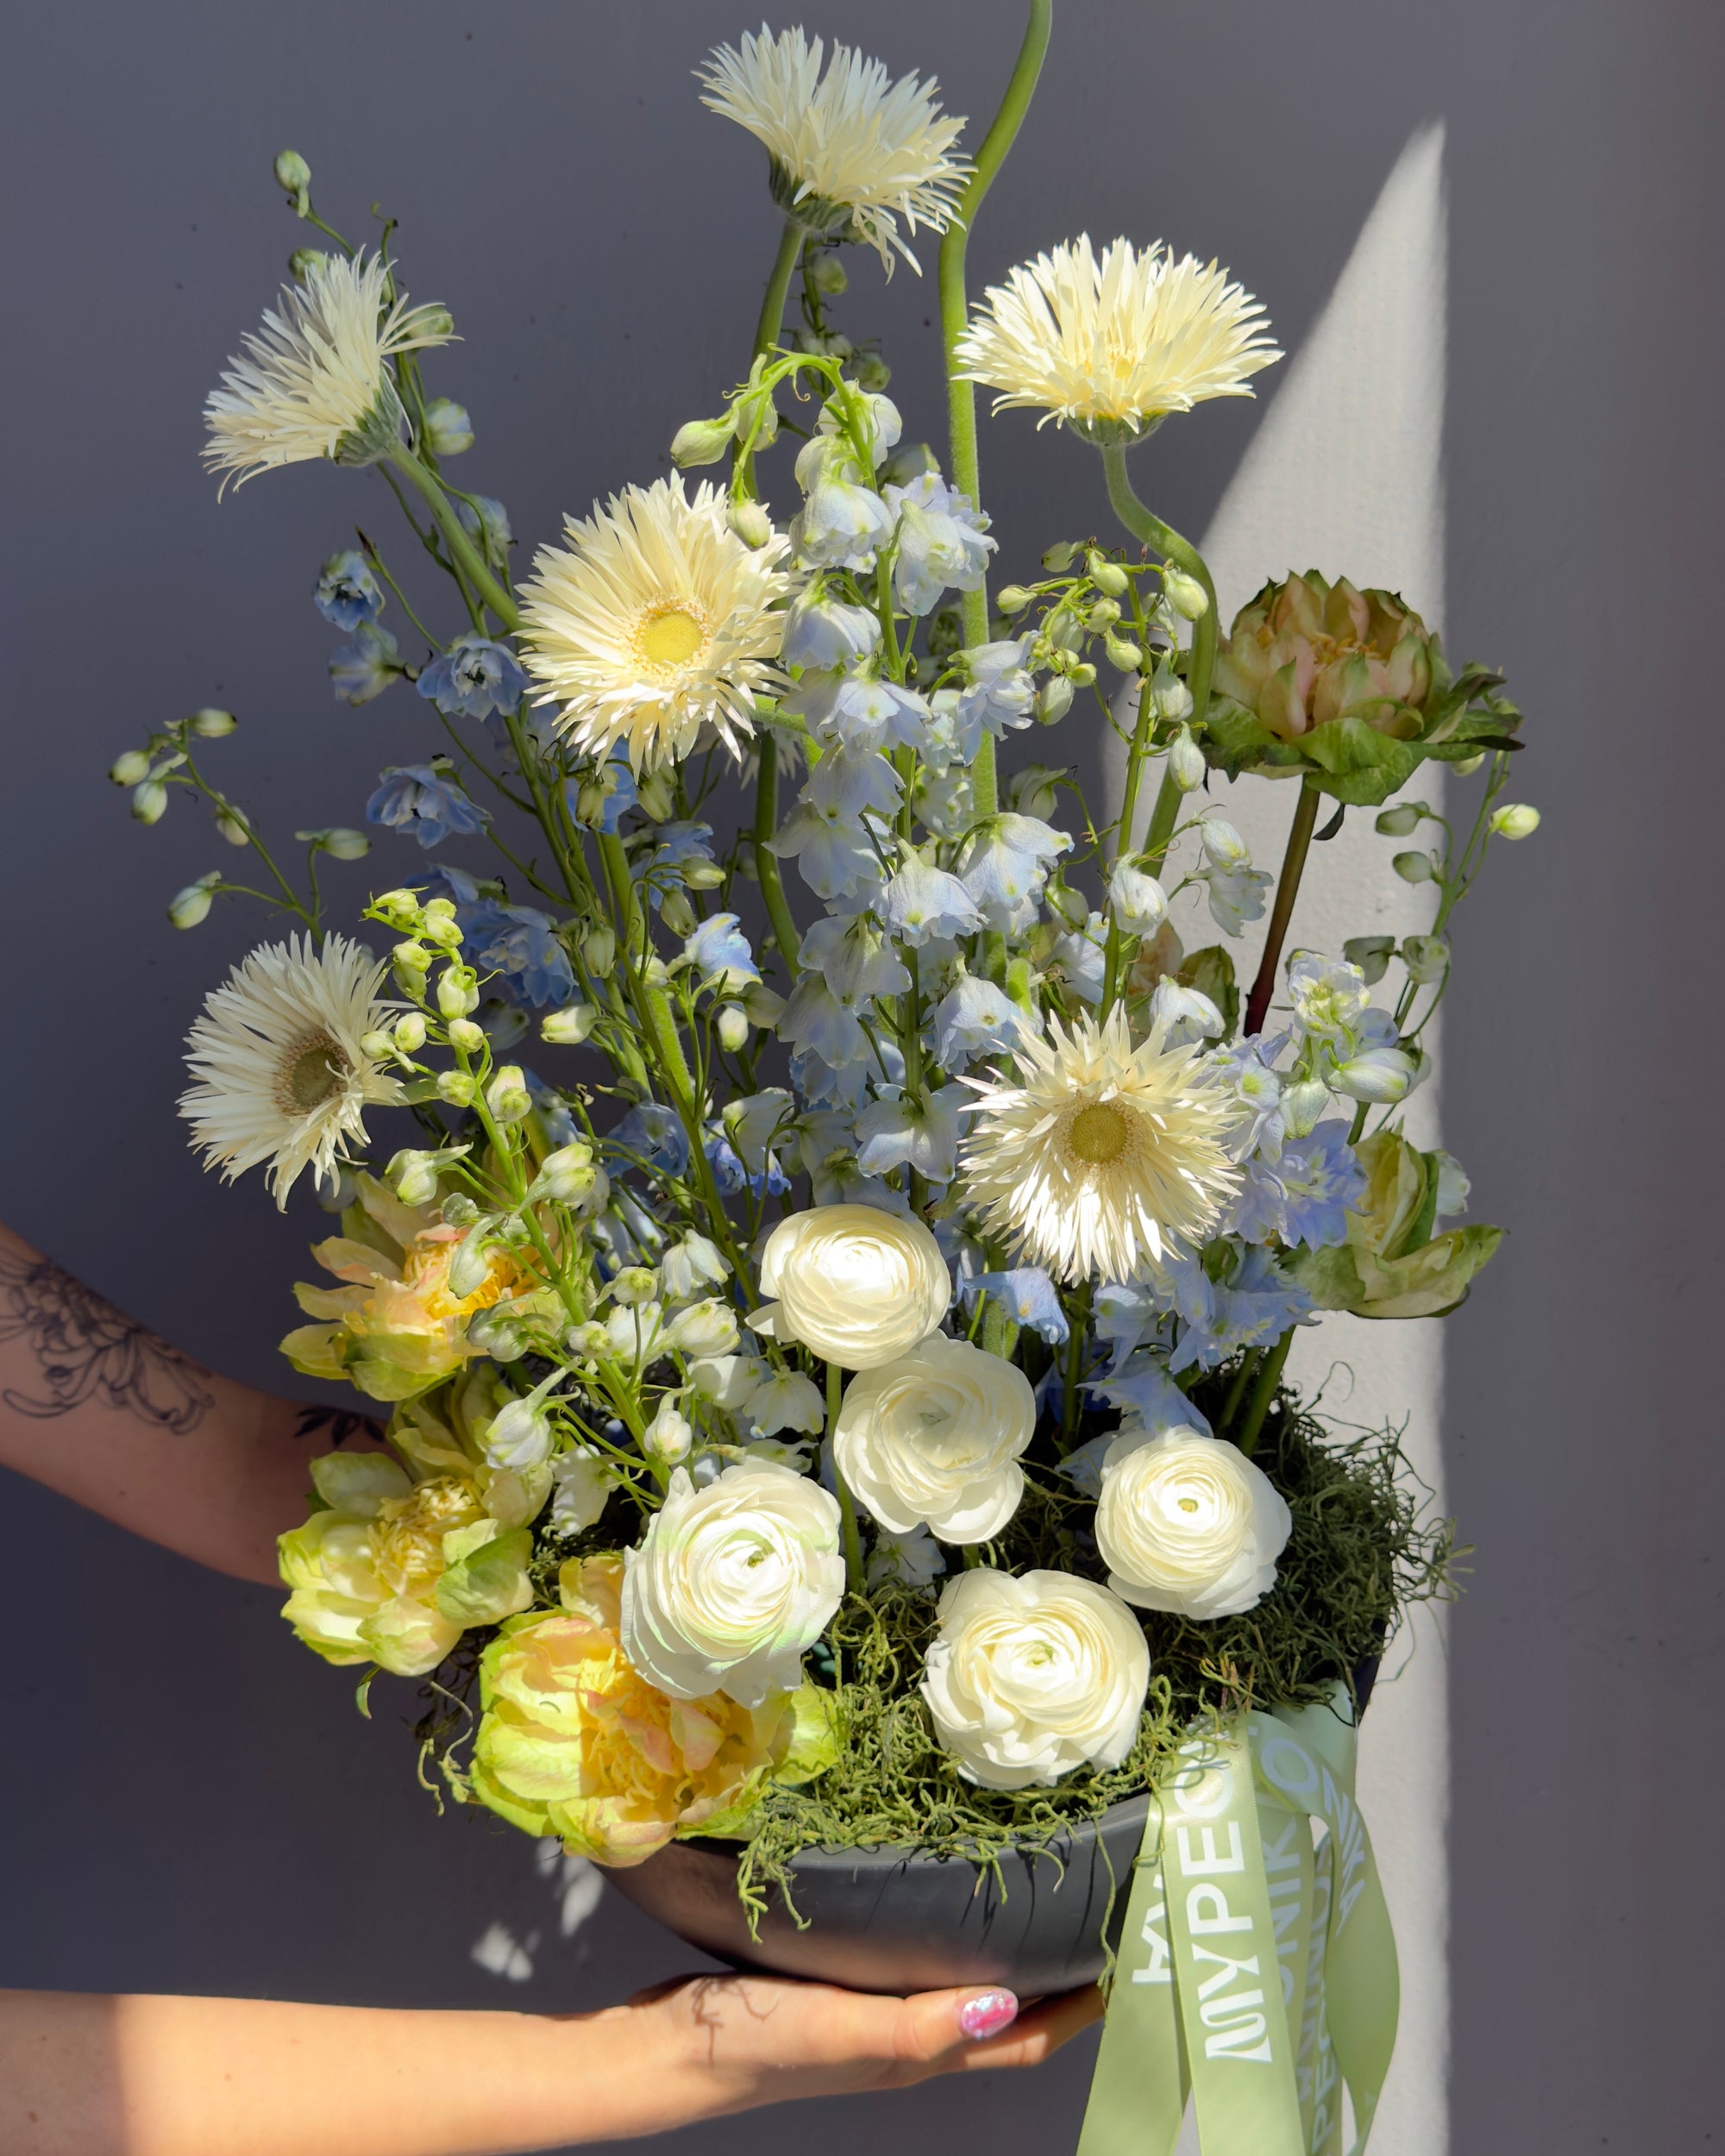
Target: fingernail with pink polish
[987,2013]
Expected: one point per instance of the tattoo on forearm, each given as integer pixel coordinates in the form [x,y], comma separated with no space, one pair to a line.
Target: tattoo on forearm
[86,1351]
[337,1425]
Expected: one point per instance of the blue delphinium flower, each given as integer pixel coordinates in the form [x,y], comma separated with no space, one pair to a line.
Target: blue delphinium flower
[1027,1295]
[719,951]
[1004,864]
[941,542]
[652,1134]
[552,1111]
[365,665]
[473,678]
[922,903]
[1257,1306]
[520,945]
[621,794]
[975,1017]
[347,592]
[856,712]
[1082,957]
[909,1131]
[421,803]
[999,698]
[1322,1181]
[825,634]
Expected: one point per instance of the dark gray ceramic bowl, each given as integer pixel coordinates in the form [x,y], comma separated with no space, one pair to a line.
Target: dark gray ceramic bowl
[885,1921]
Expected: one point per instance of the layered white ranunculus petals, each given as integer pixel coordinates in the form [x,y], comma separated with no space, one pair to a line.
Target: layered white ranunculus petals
[933,1440]
[733,1584]
[855,1286]
[1034,1676]
[1186,1523]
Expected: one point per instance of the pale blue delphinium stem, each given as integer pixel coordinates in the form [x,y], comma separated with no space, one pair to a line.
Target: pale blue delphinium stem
[961,396]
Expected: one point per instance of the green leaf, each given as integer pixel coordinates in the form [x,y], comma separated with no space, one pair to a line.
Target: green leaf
[1235,741]
[1360,766]
[1329,1277]
[490,1582]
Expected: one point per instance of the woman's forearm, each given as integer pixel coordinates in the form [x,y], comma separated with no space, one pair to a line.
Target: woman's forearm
[84,2076]
[96,1407]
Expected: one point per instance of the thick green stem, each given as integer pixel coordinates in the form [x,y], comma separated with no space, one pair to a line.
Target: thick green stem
[1135,756]
[1149,528]
[766,861]
[778,285]
[961,396]
[462,548]
[847,1506]
[1162,817]
[1263,1393]
[1287,890]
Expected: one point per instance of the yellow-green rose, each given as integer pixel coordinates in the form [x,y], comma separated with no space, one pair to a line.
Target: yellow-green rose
[575,1741]
[392,1571]
[1392,1265]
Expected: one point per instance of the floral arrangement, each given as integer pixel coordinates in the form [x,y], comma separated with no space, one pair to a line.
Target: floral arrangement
[833,1326]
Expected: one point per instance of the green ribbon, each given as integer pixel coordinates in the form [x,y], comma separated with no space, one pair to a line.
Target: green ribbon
[1255,1972]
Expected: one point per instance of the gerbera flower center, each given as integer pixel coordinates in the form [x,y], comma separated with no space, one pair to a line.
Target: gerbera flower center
[1099,1133]
[669,636]
[310,1073]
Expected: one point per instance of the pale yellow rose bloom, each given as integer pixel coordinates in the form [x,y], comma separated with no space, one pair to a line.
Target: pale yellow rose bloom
[574,1741]
[392,1571]
[394,1328]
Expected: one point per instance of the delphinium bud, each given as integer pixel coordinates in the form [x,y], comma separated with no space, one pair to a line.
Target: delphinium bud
[131,769]
[827,275]
[598,951]
[1124,655]
[676,912]
[733,1023]
[872,372]
[1516,819]
[458,991]
[570,1026]
[188,907]
[149,802]
[1185,594]
[669,1436]
[456,1089]
[1415,867]
[210,725]
[1012,600]
[1104,614]
[1186,761]
[1059,557]
[409,1033]
[1053,699]
[293,176]
[507,1096]
[634,1285]
[1426,957]
[1397,822]
[702,441]
[448,429]
[1106,576]
[300,262]
[466,1036]
[750,523]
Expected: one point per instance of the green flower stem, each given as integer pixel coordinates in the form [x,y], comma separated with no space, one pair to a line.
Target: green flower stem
[1135,756]
[847,1507]
[1262,1393]
[778,285]
[1249,1363]
[1162,817]
[766,861]
[961,396]
[1149,528]
[463,551]
[1287,889]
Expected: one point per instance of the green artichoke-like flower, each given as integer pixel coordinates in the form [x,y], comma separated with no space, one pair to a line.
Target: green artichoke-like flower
[1350,685]
[1392,1265]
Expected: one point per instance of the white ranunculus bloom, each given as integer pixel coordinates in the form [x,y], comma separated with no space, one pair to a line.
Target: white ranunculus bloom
[733,1584]
[855,1286]
[1186,1523]
[933,1439]
[1034,1676]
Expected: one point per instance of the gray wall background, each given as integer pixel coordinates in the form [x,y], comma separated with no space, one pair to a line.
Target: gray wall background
[192,1803]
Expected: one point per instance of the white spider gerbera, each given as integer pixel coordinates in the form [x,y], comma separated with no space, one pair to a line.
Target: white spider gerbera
[313,381]
[846,146]
[1112,347]
[282,1076]
[654,621]
[1103,1155]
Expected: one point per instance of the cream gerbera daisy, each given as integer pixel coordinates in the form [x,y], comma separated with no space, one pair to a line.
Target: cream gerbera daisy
[654,621]
[1112,347]
[1104,1155]
[281,1075]
[313,383]
[848,144]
